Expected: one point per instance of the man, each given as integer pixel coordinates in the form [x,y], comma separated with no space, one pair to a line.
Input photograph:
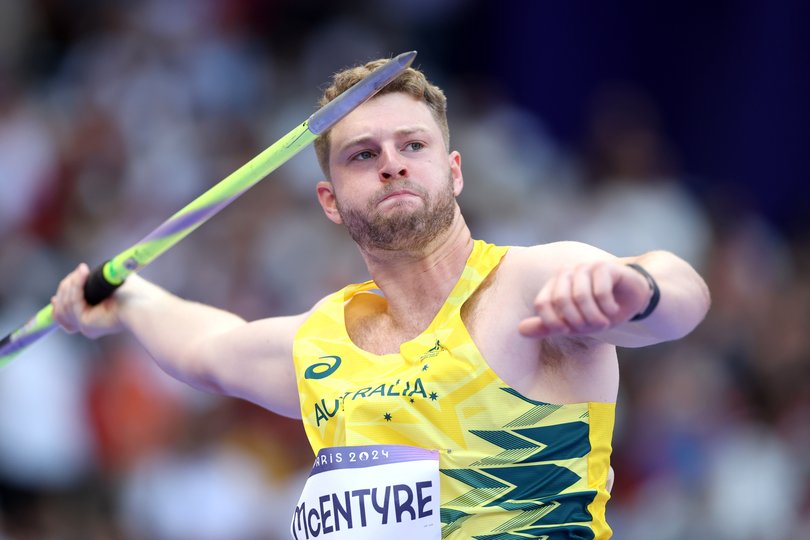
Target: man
[502,359]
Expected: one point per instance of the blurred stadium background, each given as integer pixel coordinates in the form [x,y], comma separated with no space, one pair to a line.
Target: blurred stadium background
[631,125]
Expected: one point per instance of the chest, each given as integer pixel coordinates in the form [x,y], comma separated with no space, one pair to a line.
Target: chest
[371,326]
[557,370]
[488,319]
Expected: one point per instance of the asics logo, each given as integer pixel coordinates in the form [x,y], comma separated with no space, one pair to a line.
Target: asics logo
[321,370]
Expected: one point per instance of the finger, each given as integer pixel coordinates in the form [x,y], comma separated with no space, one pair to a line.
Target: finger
[66,285]
[59,315]
[72,294]
[564,304]
[603,282]
[531,327]
[68,302]
[546,310]
[584,296]
[535,327]
[58,301]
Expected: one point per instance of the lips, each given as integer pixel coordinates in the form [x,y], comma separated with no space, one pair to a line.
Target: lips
[397,192]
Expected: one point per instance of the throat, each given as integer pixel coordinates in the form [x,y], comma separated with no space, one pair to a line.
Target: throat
[414,293]
[380,333]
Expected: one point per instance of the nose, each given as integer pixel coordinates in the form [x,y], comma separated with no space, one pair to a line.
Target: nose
[391,165]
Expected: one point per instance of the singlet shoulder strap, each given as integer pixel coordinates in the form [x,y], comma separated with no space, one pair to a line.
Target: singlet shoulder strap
[483,259]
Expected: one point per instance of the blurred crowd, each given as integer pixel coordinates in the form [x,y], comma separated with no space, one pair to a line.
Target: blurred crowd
[114,115]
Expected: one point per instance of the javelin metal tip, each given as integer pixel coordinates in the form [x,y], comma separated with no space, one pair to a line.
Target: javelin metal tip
[324,118]
[405,59]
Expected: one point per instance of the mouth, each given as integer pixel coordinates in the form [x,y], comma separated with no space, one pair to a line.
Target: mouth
[398,194]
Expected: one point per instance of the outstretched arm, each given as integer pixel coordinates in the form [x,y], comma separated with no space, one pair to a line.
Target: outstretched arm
[590,292]
[208,348]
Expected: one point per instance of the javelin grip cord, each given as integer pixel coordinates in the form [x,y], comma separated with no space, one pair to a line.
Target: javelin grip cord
[97,288]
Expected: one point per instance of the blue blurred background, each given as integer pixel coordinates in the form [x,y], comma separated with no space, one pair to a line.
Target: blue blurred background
[631,125]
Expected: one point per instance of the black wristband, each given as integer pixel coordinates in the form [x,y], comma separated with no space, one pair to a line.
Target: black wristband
[656,293]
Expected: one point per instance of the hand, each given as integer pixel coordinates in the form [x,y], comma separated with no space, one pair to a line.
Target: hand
[590,298]
[74,314]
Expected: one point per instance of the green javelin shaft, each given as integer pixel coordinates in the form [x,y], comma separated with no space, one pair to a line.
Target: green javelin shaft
[109,276]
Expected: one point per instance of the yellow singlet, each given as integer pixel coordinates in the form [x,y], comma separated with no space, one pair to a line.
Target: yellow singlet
[512,468]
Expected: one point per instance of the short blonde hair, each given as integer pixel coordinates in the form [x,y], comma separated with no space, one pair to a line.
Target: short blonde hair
[411,81]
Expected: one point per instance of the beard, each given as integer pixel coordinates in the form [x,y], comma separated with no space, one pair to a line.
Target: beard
[401,228]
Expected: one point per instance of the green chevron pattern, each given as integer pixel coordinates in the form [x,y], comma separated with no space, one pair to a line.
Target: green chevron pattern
[527,478]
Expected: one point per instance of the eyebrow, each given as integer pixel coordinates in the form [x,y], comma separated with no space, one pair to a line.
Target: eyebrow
[363,139]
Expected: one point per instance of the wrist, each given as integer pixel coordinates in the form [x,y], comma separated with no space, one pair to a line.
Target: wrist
[655,293]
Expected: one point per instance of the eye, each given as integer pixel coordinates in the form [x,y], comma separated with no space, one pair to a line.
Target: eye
[414,146]
[362,156]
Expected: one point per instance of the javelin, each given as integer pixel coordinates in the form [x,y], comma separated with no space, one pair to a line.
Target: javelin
[105,279]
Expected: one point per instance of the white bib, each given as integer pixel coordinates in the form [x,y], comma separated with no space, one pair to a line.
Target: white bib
[370,492]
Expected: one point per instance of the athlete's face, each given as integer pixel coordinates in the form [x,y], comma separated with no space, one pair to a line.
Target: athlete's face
[393,183]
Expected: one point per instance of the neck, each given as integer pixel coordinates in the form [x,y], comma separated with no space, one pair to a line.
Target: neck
[417,282]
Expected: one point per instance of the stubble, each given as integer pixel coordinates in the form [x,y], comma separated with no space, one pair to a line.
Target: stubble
[402,227]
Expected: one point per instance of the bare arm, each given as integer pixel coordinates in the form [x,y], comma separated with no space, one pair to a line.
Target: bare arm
[208,348]
[587,292]
[684,302]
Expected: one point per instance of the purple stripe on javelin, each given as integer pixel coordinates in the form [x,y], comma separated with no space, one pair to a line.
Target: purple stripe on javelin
[24,341]
[180,223]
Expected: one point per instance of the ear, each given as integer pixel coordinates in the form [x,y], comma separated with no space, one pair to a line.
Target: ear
[455,172]
[326,196]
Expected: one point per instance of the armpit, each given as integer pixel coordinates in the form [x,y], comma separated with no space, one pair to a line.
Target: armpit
[554,350]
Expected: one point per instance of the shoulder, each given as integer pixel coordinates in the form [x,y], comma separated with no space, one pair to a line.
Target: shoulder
[543,260]
[282,329]
[556,253]
[523,269]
